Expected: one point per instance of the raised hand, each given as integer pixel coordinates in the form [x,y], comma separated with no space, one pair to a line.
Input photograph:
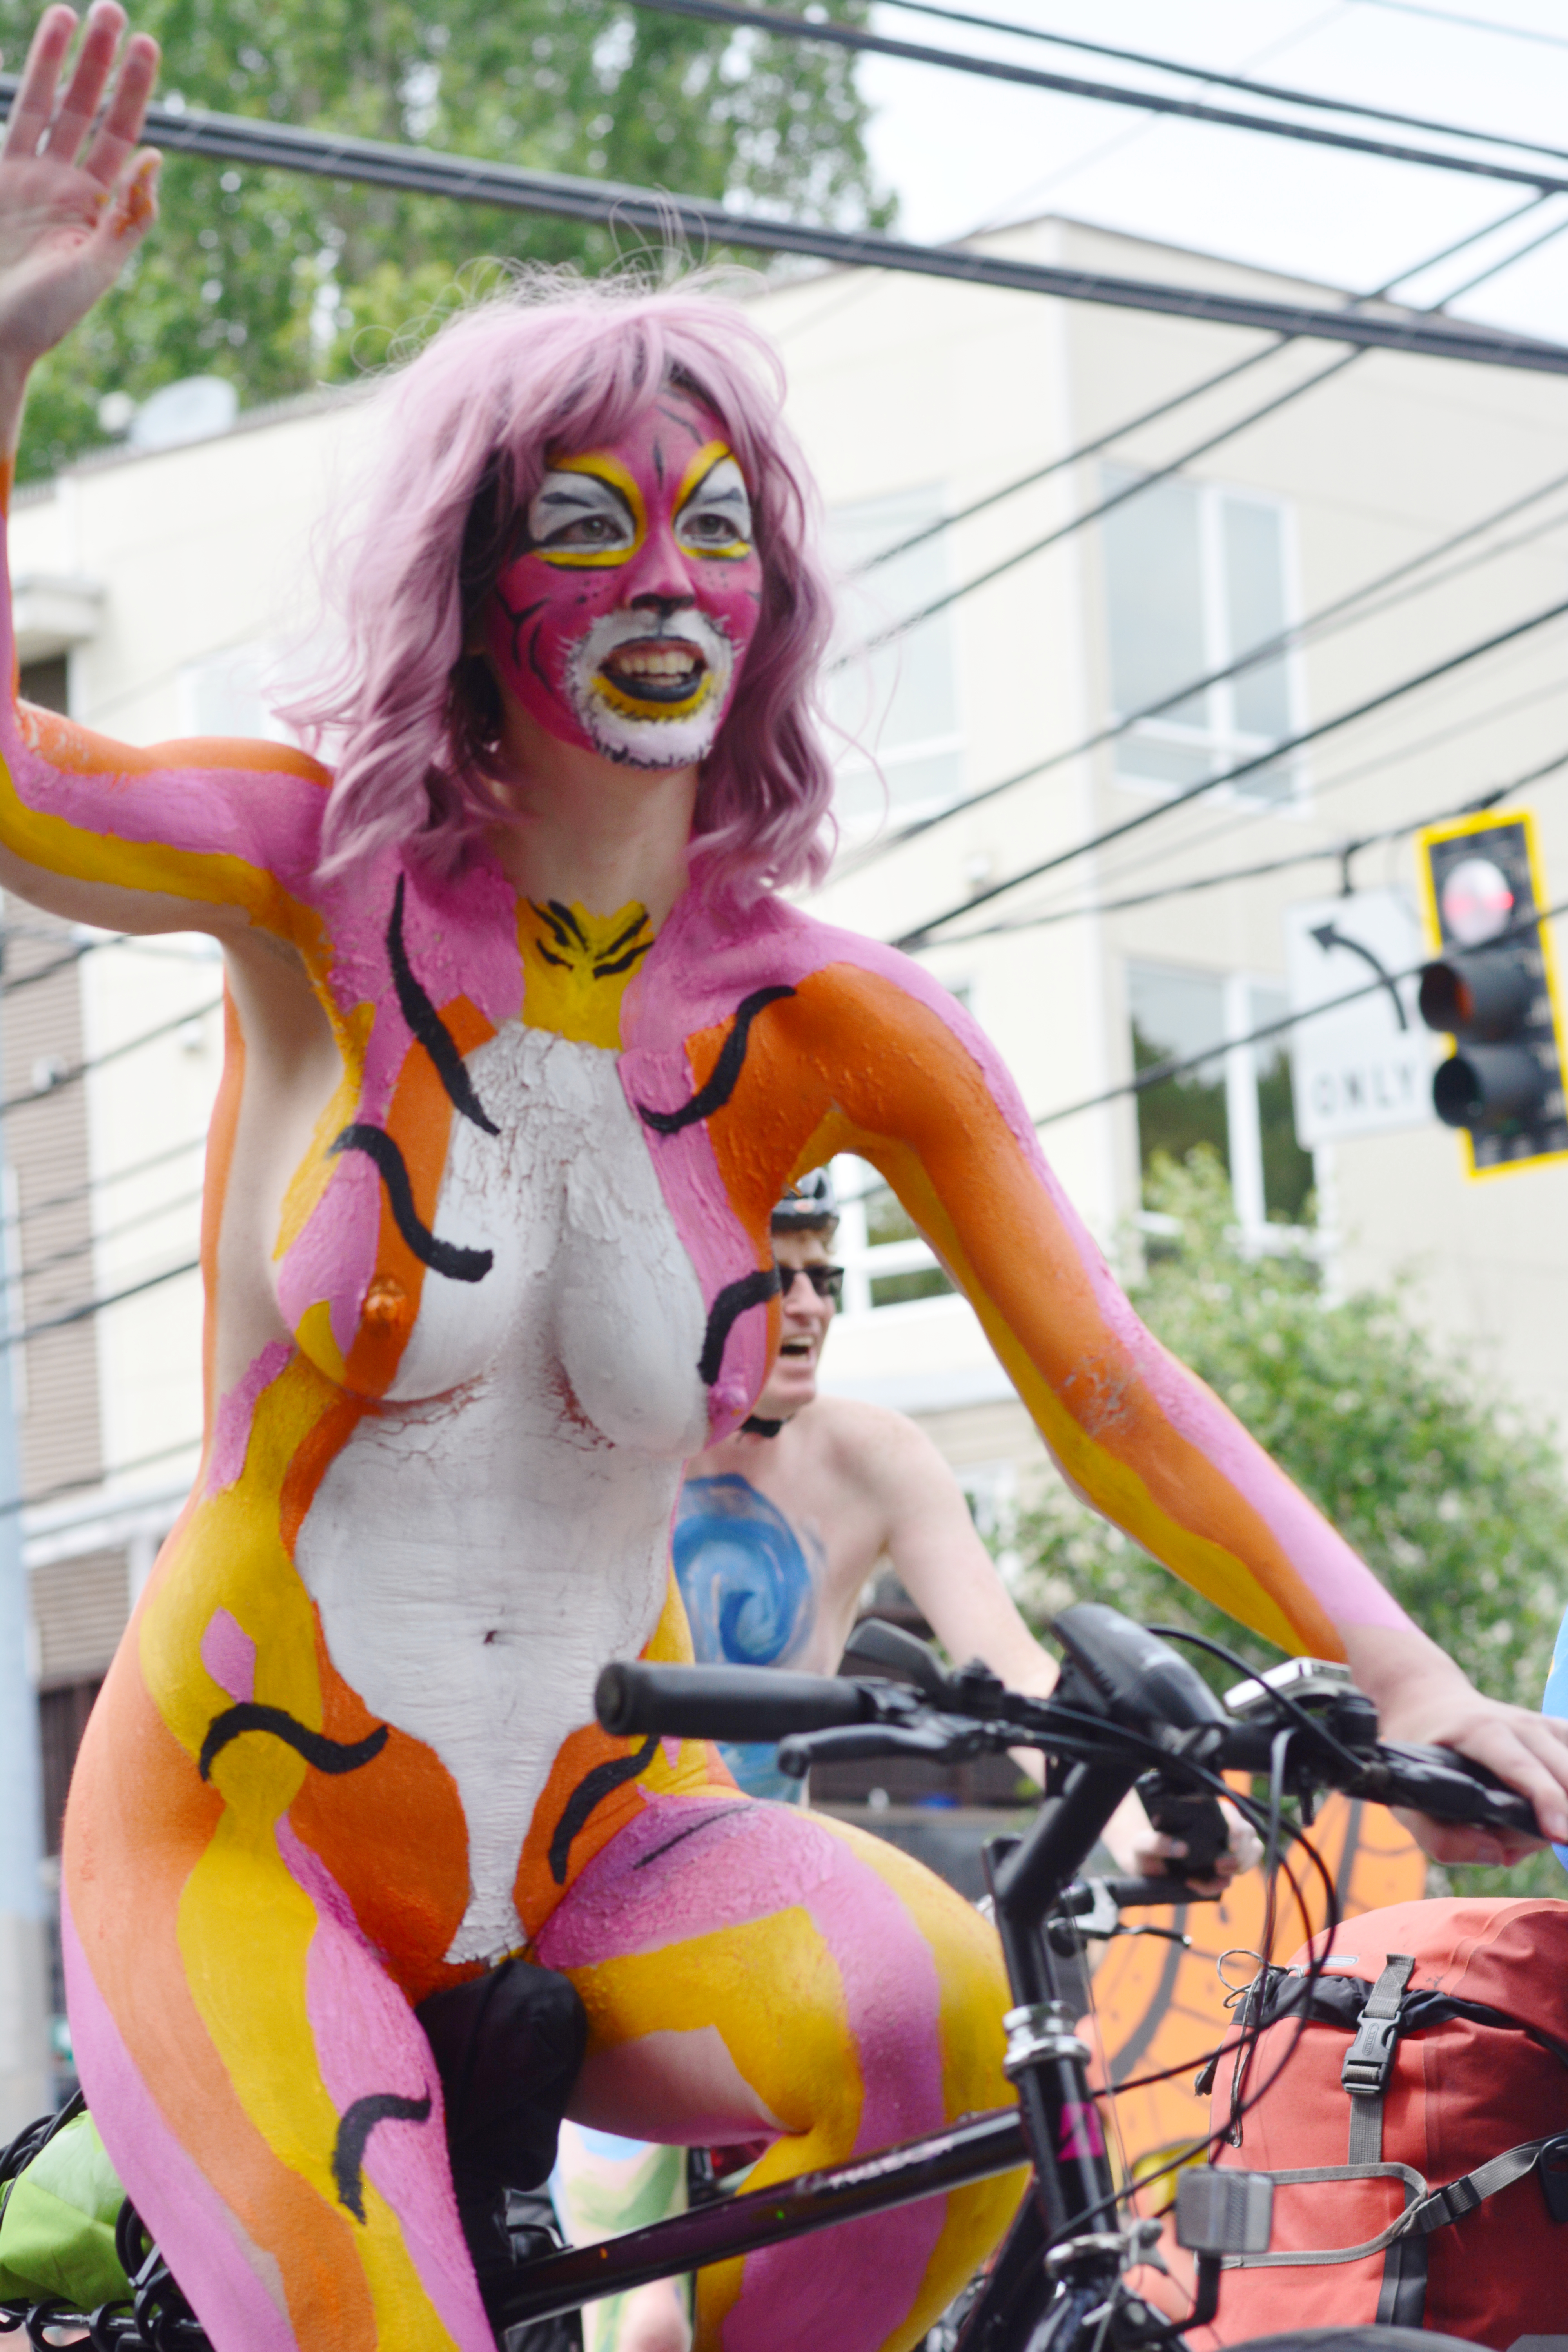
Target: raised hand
[76,195]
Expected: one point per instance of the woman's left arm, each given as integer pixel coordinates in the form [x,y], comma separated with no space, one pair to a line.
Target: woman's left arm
[909,1083]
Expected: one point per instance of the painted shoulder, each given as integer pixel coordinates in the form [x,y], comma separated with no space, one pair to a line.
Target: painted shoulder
[707,962]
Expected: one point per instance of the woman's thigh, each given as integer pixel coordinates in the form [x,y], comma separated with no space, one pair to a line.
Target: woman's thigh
[750,1968]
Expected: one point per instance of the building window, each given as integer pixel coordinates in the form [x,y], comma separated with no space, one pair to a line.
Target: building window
[898,706]
[62,1718]
[46,682]
[886,1263]
[1195,577]
[1239,1103]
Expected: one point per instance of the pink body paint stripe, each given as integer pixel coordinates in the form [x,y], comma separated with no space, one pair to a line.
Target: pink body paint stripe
[228,1653]
[237,1410]
[368,2041]
[755,1861]
[199,2235]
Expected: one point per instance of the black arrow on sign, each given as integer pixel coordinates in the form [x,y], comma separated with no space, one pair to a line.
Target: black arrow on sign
[1328,936]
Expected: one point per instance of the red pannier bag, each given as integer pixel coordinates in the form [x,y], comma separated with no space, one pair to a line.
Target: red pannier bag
[1436,2046]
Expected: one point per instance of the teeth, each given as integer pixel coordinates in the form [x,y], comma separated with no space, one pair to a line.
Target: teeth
[664,663]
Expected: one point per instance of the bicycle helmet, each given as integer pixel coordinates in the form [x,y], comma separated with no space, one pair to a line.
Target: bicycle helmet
[810,1207]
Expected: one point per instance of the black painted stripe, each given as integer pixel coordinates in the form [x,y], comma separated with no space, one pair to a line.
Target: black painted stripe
[623,963]
[590,1791]
[456,1263]
[429,1026]
[326,1755]
[752,1290]
[722,1814]
[726,1070]
[353,2132]
[623,939]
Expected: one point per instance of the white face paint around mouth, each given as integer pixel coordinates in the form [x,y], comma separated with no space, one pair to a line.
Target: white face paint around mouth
[652,695]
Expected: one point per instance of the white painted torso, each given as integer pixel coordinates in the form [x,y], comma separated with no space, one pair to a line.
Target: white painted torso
[500,1528]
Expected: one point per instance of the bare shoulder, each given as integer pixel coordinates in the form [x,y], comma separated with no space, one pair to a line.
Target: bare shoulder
[877,1448]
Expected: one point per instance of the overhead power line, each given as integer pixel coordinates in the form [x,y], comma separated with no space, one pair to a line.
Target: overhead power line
[111,1176]
[1447,16]
[1331,853]
[1179,1066]
[1211,441]
[1344,611]
[1212,80]
[1195,391]
[1246,814]
[921,935]
[80,1485]
[89,1307]
[68,1077]
[1148,102]
[373,162]
[169,1208]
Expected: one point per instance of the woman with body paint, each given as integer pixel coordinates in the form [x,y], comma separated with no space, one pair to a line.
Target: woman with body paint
[523,1045]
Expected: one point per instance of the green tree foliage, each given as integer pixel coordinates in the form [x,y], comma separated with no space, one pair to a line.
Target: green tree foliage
[279,282]
[1460,1506]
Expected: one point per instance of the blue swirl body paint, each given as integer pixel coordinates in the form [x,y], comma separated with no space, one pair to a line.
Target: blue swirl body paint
[1555,1700]
[752,1594]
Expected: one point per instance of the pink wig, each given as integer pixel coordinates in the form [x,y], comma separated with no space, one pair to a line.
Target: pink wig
[557,364]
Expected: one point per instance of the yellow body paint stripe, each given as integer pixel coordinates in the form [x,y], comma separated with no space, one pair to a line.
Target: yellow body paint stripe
[230,1555]
[214,878]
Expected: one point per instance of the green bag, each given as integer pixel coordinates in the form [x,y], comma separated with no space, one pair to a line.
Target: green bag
[57,2224]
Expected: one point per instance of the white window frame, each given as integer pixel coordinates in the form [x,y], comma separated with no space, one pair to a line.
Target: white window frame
[1223,742]
[865,1261]
[851,762]
[1244,1128]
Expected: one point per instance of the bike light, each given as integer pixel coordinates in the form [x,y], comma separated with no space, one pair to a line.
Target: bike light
[1220,2210]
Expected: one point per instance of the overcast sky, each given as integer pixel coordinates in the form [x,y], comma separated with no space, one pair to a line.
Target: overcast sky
[963,154]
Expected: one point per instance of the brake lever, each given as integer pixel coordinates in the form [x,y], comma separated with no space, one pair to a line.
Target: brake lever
[940,1739]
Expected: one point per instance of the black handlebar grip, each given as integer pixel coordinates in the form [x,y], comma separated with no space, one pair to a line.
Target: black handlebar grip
[1194,1817]
[722,1702]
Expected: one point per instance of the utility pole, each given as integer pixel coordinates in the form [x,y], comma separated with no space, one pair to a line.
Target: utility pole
[25,2085]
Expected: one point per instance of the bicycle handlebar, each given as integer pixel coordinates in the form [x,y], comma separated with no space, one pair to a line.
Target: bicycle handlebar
[724,1702]
[975,1712]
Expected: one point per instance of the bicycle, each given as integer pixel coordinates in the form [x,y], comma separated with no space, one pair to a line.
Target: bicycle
[1128,1710]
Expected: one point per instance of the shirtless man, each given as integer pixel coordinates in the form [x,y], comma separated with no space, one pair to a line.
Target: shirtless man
[776,1531]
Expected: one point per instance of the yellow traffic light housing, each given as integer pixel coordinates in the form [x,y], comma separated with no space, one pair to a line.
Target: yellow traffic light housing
[1493,989]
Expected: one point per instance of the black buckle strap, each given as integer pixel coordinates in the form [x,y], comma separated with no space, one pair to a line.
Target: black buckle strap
[1370,2058]
[1450,2203]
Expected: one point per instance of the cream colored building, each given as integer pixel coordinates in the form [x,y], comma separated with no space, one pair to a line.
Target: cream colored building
[152,583]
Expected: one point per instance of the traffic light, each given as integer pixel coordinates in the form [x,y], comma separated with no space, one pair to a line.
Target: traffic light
[1493,990]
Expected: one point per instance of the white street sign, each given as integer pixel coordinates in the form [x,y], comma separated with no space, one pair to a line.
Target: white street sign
[1366,1069]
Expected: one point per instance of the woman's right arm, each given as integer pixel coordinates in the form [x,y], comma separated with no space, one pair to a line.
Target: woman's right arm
[205,836]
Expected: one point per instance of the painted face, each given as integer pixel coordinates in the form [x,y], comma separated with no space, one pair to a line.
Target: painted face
[805,1317]
[623,624]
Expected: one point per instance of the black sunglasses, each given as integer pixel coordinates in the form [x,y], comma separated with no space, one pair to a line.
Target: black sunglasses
[827,1281]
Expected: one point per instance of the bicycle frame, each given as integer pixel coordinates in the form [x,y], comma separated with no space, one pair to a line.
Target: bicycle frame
[1055,2127]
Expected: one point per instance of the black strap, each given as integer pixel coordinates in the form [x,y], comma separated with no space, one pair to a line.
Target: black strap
[1368,2060]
